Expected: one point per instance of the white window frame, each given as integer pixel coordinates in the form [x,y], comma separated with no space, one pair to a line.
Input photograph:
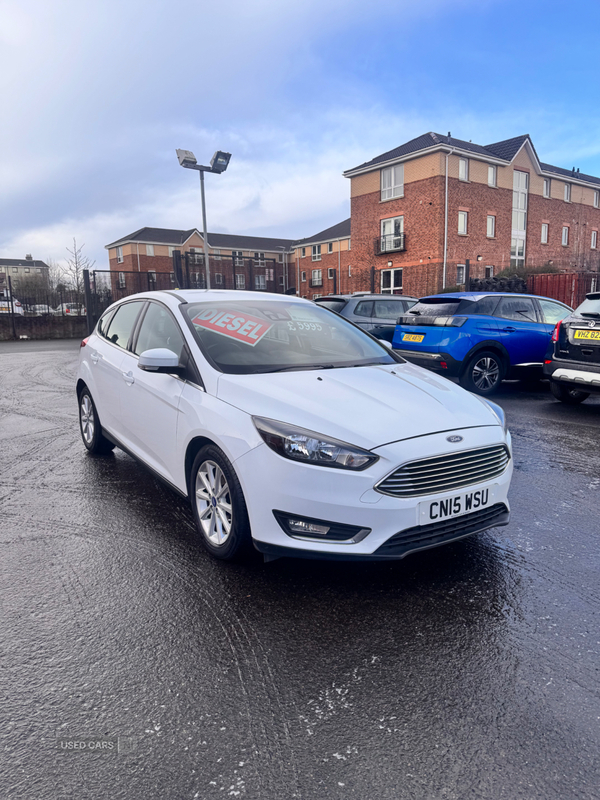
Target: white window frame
[260,282]
[596,199]
[216,254]
[489,271]
[238,258]
[259,259]
[391,289]
[392,182]
[330,247]
[171,250]
[316,252]
[545,232]
[330,273]
[547,187]
[303,277]
[317,277]
[491,226]
[122,282]
[492,175]
[461,273]
[594,243]
[119,255]
[150,250]
[218,279]
[463,223]
[152,275]
[240,281]
[463,169]
[565,235]
[303,252]
[567,193]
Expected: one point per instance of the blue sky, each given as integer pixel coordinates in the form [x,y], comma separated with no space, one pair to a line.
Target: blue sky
[97,96]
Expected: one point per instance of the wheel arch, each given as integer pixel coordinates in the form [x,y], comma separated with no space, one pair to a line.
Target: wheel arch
[81,385]
[493,346]
[192,450]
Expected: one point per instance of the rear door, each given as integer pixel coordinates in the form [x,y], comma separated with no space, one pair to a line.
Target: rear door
[519,330]
[385,315]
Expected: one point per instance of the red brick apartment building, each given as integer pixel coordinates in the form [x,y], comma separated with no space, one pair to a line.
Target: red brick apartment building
[418,212]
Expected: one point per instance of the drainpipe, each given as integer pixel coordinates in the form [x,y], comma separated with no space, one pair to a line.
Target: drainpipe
[446,222]
[138,255]
[339,263]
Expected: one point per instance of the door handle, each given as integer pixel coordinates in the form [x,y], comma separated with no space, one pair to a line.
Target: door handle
[95,357]
[128,378]
[509,329]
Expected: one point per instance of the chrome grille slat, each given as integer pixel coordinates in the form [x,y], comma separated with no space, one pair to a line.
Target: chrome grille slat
[447,472]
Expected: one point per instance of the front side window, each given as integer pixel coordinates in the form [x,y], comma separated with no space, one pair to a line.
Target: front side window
[462,222]
[392,182]
[463,169]
[567,192]
[492,175]
[252,336]
[491,226]
[149,249]
[121,325]
[565,235]
[545,228]
[316,252]
[159,329]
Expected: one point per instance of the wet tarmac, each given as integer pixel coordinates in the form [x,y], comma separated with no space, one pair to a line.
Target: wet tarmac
[469,671]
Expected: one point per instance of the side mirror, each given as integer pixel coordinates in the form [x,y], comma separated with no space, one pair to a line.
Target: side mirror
[159,360]
[386,343]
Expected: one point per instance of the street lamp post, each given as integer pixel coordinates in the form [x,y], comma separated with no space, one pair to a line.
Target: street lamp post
[218,164]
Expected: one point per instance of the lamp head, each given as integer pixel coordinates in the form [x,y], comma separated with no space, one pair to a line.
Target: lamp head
[186,158]
[220,161]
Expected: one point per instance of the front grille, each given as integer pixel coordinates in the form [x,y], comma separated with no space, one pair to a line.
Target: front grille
[446,473]
[423,536]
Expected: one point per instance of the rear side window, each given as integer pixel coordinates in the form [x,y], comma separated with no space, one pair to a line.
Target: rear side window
[104,322]
[121,325]
[518,309]
[332,305]
[553,312]
[389,309]
[364,309]
[486,306]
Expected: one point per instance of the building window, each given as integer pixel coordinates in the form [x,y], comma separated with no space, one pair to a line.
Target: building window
[349,243]
[330,247]
[260,282]
[172,277]
[216,255]
[151,277]
[567,192]
[596,199]
[492,175]
[330,273]
[259,259]
[238,258]
[218,279]
[39,271]
[392,182]
[489,272]
[349,270]
[317,277]
[544,233]
[281,280]
[149,249]
[462,222]
[391,281]
[594,239]
[565,235]
[240,281]
[392,234]
[463,169]
[547,187]
[15,269]
[316,252]
[26,269]
[303,252]
[121,280]
[491,226]
[119,255]
[303,277]
[460,274]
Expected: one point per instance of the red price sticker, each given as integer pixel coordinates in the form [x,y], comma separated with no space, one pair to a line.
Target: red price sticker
[239,326]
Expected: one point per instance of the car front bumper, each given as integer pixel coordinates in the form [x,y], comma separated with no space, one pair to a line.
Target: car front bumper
[272,483]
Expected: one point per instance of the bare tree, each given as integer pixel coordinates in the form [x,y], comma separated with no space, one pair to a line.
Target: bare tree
[76,263]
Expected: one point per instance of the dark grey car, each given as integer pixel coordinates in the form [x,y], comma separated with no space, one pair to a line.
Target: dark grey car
[376,313]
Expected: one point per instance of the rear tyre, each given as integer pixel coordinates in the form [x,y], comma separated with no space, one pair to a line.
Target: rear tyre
[483,374]
[219,506]
[565,394]
[89,425]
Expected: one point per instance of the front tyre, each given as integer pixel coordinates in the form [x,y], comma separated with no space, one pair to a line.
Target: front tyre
[219,506]
[89,425]
[571,397]
[483,374]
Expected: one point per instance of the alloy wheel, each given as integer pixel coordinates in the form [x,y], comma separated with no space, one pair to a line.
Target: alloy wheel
[213,500]
[86,415]
[486,373]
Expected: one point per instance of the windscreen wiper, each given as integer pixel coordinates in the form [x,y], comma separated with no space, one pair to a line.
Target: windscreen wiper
[293,367]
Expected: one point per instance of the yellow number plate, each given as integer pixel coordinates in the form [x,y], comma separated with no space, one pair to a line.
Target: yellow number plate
[413,337]
[587,335]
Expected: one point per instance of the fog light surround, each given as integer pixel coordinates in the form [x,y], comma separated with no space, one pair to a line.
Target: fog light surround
[309,529]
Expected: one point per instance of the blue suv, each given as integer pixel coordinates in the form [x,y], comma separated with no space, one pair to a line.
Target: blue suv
[479,337]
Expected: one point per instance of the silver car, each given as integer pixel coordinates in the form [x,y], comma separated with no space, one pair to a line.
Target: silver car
[376,313]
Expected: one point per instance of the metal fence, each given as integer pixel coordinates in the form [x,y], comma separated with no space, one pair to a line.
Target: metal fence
[568,287]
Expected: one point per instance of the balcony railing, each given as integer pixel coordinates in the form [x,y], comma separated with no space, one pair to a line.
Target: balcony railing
[314,284]
[391,243]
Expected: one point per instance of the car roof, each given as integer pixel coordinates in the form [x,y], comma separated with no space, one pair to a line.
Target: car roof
[212,295]
[478,295]
[361,296]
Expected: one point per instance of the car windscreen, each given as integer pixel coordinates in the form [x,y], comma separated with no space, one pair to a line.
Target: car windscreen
[251,336]
[439,307]
[334,305]
[591,306]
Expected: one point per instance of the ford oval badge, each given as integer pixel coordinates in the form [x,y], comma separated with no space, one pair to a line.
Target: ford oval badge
[454,439]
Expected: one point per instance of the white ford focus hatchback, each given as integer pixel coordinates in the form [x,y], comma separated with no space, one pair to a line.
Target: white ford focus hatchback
[289,428]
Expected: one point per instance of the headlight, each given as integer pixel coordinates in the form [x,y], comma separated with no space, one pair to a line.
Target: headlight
[499,412]
[299,444]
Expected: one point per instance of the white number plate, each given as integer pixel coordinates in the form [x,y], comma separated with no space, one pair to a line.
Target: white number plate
[437,510]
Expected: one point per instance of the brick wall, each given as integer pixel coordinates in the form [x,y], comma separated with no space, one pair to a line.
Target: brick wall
[581,220]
